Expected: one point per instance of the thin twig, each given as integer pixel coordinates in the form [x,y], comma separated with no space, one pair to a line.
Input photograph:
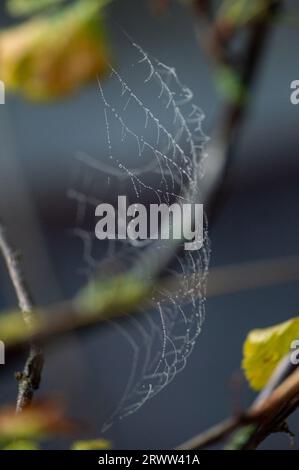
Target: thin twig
[211,436]
[228,129]
[275,398]
[29,379]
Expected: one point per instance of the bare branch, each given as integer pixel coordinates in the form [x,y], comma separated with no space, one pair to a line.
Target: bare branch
[249,436]
[266,415]
[29,379]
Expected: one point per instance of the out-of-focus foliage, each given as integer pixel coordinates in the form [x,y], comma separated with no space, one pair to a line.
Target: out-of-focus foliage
[22,445]
[35,422]
[28,7]
[97,301]
[230,85]
[22,431]
[113,295]
[240,12]
[265,348]
[50,56]
[12,327]
[95,444]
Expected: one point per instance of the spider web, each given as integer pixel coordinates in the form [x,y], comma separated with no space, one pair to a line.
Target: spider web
[155,148]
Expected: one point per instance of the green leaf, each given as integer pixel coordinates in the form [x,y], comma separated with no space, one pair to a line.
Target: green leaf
[95,444]
[265,348]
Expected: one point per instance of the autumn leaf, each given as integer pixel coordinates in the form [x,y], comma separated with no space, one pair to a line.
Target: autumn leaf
[50,56]
[265,348]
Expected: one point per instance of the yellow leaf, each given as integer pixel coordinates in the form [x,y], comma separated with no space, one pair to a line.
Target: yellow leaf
[96,444]
[264,349]
[50,56]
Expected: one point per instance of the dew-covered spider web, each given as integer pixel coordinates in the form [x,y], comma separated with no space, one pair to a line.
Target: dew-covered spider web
[153,153]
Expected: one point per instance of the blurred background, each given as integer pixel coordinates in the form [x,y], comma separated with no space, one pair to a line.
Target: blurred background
[257,221]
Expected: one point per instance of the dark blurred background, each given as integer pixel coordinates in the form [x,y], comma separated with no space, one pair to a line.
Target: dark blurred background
[258,221]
